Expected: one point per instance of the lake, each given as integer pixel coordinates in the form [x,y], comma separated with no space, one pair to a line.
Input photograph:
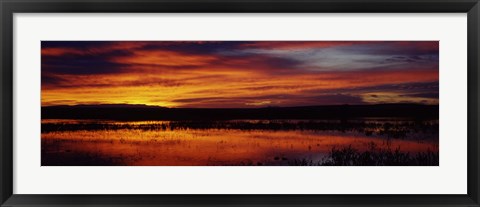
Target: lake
[373,141]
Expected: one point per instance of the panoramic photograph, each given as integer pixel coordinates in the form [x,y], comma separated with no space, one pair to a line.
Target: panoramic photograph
[240,103]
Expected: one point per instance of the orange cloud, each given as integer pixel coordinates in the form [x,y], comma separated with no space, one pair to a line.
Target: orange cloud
[164,58]
[60,51]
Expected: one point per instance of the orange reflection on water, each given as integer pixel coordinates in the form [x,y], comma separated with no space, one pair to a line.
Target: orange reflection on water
[202,147]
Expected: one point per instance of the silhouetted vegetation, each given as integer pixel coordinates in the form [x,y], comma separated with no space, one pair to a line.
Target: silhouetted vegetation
[376,156]
[142,112]
[393,129]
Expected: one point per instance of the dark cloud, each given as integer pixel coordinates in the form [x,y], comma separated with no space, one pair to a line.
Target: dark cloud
[413,59]
[404,48]
[56,81]
[50,80]
[423,95]
[193,47]
[265,63]
[83,68]
[336,99]
[88,63]
[405,87]
[81,45]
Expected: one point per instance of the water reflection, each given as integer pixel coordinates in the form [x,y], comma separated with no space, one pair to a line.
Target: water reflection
[240,142]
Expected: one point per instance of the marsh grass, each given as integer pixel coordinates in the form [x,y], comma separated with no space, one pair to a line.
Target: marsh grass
[393,129]
[375,156]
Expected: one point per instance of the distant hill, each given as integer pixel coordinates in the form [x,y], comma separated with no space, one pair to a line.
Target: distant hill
[144,112]
[106,106]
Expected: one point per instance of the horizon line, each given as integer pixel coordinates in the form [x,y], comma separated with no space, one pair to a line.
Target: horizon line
[158,106]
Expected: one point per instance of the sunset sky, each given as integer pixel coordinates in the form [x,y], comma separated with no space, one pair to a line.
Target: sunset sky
[236,74]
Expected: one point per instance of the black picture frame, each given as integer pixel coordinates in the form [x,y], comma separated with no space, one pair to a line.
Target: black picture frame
[9,7]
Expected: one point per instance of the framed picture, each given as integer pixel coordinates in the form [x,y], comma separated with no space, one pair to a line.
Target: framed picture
[240,103]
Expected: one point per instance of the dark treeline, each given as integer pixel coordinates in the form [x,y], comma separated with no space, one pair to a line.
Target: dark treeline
[141,112]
